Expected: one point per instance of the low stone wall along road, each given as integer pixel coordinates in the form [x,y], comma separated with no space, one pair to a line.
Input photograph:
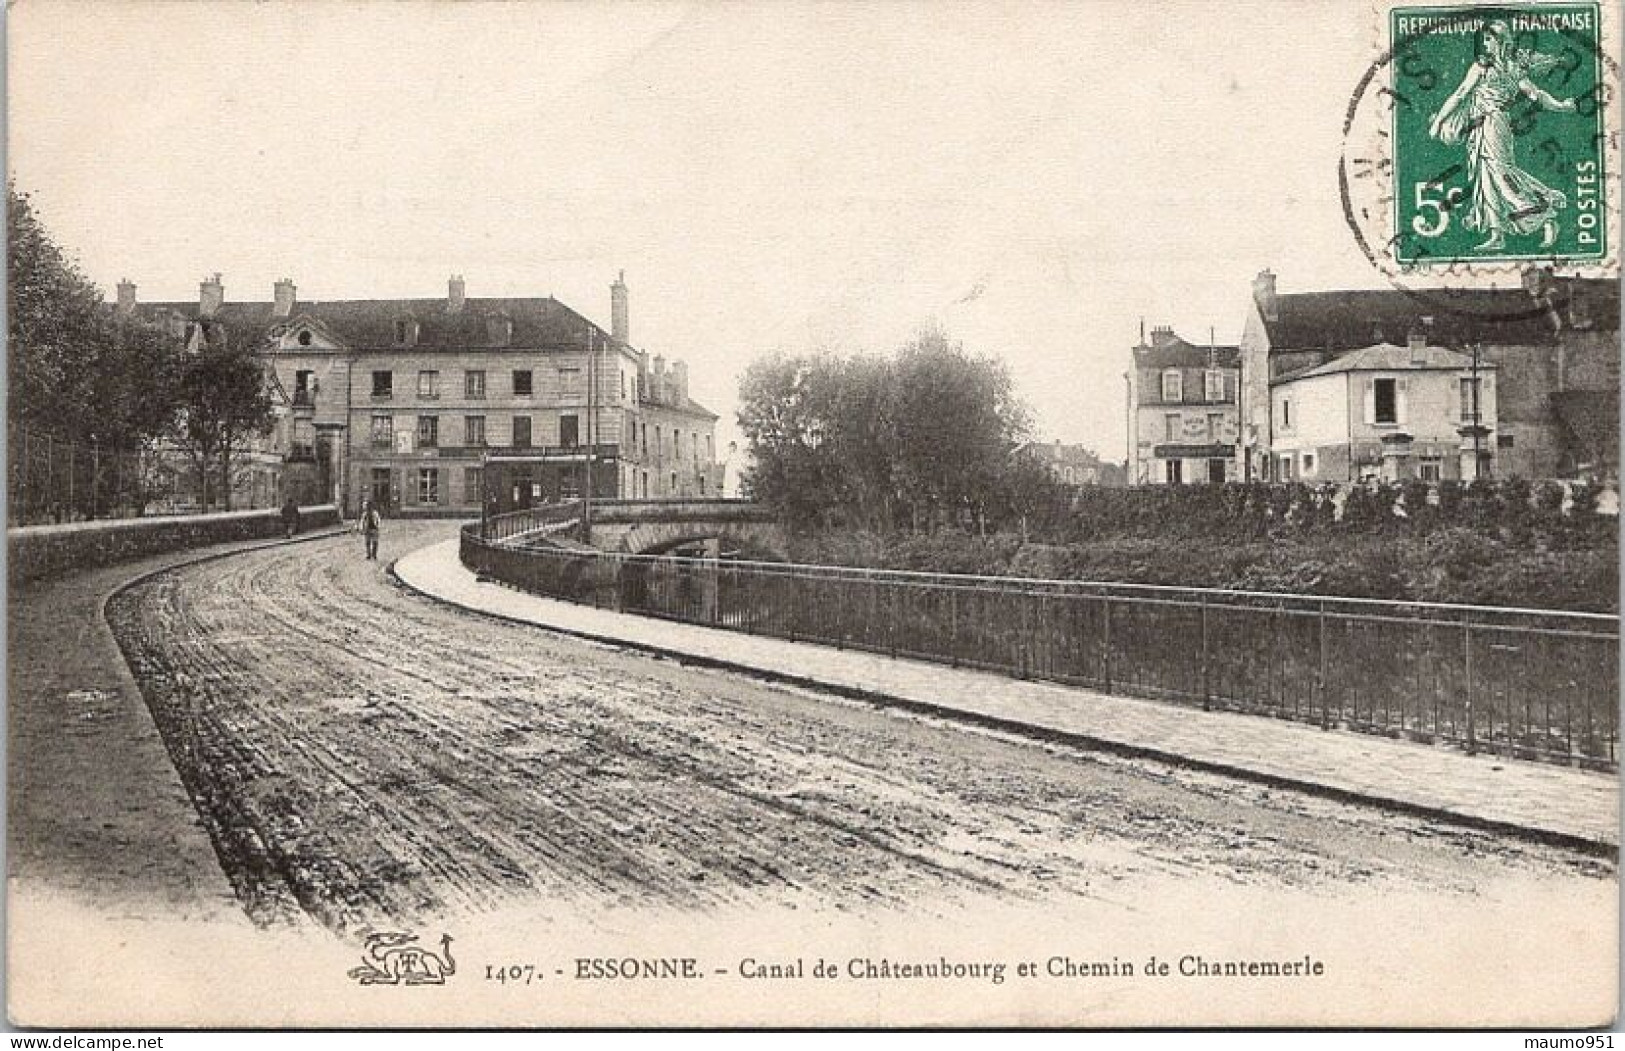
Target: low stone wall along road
[362,755]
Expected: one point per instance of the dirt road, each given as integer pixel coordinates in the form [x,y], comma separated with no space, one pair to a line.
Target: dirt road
[360,754]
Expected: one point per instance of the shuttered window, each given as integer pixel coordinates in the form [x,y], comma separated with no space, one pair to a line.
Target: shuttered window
[1385,401]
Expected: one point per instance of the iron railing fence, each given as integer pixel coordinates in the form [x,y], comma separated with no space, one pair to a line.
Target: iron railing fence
[51,480]
[1521,683]
[542,519]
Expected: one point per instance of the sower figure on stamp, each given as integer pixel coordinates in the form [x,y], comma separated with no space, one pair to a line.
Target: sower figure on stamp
[368,525]
[1505,198]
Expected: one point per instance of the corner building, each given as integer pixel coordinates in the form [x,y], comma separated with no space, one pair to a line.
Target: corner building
[1548,346]
[406,401]
[1183,398]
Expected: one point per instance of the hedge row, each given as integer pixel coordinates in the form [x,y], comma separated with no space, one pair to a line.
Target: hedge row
[1271,509]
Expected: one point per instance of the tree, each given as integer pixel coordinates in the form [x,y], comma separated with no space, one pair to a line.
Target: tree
[956,418]
[921,437]
[79,374]
[225,401]
[54,323]
[786,419]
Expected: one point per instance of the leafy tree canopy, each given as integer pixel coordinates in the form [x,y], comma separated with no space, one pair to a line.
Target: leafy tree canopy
[77,371]
[917,438]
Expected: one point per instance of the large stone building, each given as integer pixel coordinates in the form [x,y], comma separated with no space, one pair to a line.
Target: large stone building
[1183,400]
[406,401]
[1549,348]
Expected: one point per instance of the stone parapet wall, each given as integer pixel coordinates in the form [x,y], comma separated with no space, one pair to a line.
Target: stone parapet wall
[41,552]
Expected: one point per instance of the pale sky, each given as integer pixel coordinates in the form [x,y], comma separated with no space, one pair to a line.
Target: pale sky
[1034,177]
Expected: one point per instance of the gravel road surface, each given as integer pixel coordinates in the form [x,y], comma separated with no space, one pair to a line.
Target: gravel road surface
[363,756]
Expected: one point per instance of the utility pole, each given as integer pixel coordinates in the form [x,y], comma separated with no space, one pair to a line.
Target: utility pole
[1475,429]
[1478,428]
[592,388]
[1241,418]
[1128,427]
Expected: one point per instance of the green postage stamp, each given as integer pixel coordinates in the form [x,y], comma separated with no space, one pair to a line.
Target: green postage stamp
[1501,121]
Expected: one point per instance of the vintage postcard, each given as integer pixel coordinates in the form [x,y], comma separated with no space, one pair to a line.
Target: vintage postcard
[812,514]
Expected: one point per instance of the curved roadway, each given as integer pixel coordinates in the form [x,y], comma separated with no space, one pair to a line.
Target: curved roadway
[363,755]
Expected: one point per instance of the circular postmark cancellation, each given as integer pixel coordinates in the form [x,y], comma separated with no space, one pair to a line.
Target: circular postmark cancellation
[1484,142]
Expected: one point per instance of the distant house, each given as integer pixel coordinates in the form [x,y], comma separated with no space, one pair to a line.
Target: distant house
[1552,342]
[1071,465]
[1183,398]
[1387,411]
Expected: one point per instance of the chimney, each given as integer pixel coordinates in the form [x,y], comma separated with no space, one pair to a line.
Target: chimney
[126,297]
[455,294]
[285,296]
[1417,342]
[657,380]
[1264,296]
[679,382]
[620,320]
[211,293]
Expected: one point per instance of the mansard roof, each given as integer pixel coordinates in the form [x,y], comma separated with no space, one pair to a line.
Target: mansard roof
[369,324]
[1167,350]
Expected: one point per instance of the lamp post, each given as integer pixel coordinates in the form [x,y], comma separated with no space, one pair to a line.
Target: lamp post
[485,491]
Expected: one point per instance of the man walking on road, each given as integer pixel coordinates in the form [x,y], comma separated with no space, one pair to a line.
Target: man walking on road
[290,517]
[368,525]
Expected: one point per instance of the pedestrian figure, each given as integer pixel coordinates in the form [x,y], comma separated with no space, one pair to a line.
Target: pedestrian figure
[368,525]
[290,517]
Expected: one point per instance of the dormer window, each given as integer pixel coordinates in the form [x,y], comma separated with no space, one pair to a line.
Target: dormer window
[406,331]
[499,330]
[1172,386]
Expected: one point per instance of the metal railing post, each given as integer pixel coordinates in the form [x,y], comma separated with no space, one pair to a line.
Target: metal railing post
[1207,684]
[1024,639]
[1106,604]
[891,619]
[1467,671]
[1320,671]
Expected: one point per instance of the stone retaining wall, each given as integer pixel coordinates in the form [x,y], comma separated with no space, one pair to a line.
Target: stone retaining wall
[41,552]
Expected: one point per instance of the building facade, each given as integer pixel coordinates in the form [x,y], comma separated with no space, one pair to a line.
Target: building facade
[448,404]
[1183,403]
[1074,466]
[264,468]
[1385,411]
[1553,345]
